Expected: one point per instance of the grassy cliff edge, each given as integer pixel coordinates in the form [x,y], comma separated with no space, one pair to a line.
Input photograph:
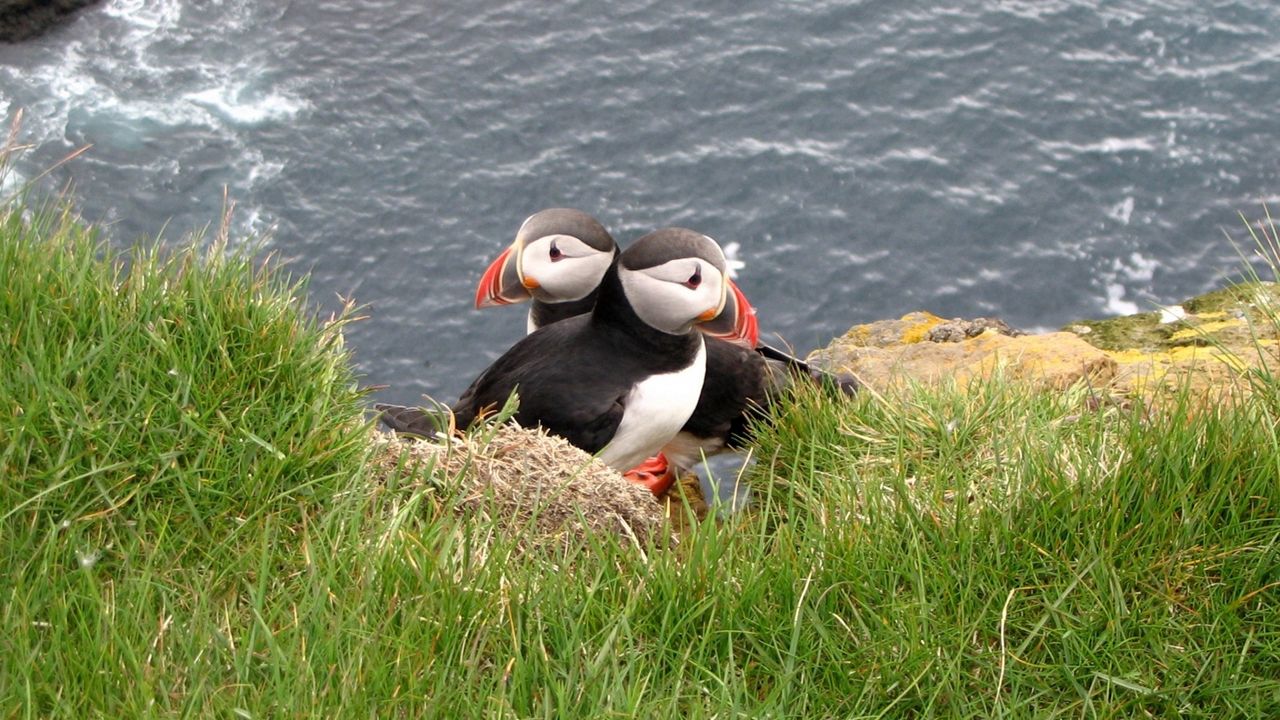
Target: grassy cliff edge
[192,524]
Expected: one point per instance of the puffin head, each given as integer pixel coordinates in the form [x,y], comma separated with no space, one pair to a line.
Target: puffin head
[559,255]
[675,278]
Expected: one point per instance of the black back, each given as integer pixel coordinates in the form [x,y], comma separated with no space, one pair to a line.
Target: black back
[573,376]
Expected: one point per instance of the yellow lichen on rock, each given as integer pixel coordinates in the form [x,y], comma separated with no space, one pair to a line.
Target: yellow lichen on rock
[908,329]
[1213,341]
[1196,369]
[918,325]
[1054,360]
[1209,342]
[1206,328]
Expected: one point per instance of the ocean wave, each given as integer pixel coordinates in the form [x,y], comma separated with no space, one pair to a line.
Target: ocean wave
[1136,273]
[130,66]
[146,16]
[238,103]
[141,74]
[1064,150]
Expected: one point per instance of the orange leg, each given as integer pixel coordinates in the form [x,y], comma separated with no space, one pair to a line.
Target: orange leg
[656,474]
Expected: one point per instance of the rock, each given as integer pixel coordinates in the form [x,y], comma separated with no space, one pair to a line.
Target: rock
[910,328]
[25,19]
[1204,346]
[887,354]
[1229,316]
[958,330]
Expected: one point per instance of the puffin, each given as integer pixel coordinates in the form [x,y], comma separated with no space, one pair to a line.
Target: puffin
[618,381]
[742,373]
[558,259]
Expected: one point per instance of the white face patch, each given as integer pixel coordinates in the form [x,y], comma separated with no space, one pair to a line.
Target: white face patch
[564,267]
[656,409]
[670,297]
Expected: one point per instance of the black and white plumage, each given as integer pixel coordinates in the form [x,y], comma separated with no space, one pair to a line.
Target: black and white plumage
[739,381]
[622,380]
[558,259]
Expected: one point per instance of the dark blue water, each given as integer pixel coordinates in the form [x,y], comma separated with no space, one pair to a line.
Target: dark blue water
[1040,161]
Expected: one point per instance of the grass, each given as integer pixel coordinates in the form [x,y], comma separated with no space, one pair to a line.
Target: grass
[189,528]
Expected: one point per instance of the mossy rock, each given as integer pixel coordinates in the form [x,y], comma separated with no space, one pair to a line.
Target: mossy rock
[1245,296]
[1140,331]
[1230,316]
[1205,345]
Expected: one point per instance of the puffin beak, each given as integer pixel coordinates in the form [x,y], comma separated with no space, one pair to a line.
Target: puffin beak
[501,283]
[736,321]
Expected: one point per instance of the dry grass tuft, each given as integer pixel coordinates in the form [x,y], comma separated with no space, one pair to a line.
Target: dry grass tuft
[528,483]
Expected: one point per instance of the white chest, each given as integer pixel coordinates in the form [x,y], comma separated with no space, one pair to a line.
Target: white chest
[656,409]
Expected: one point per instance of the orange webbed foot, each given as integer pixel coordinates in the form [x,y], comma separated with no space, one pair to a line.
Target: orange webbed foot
[655,473]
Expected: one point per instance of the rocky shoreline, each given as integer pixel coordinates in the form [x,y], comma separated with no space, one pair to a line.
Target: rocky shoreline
[1201,345]
[26,19]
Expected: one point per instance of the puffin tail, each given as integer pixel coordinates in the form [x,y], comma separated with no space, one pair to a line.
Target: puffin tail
[417,421]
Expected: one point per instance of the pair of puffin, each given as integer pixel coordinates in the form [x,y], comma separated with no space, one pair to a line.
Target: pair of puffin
[628,353]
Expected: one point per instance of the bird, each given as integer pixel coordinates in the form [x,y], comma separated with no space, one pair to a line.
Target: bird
[558,259]
[741,376]
[621,380]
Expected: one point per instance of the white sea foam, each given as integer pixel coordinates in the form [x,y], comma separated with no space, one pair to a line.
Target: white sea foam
[1121,144]
[11,182]
[1139,268]
[733,263]
[239,104]
[1136,270]
[147,16]
[1122,210]
[1065,150]
[143,69]
[923,154]
[118,73]
[1116,304]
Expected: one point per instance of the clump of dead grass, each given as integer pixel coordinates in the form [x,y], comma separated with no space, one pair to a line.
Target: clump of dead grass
[526,483]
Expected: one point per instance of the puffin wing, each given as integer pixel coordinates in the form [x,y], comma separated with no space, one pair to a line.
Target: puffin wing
[561,384]
[736,388]
[588,421]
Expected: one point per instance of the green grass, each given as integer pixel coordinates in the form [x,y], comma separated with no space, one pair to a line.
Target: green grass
[188,528]
[1010,555]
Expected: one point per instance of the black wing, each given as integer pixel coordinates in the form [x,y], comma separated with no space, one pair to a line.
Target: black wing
[566,381]
[735,389]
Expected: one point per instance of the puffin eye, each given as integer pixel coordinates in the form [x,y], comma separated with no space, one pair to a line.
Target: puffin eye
[555,252]
[695,279]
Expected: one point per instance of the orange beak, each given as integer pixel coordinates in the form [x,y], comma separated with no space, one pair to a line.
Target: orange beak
[501,283]
[735,323]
